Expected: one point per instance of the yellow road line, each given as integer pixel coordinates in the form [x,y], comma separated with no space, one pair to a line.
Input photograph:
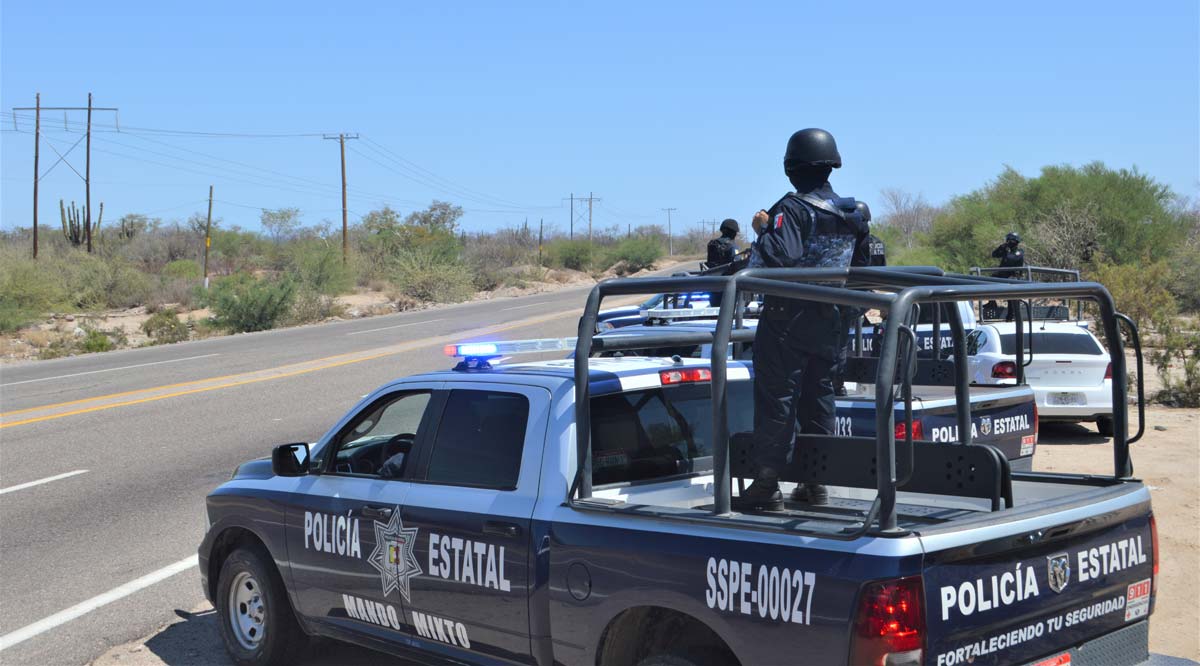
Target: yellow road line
[263,375]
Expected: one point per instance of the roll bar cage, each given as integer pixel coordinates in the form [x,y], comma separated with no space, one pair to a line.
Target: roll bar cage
[898,291]
[1065,275]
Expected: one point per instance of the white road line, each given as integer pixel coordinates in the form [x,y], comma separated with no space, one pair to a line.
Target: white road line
[123,367]
[79,610]
[388,328]
[522,307]
[56,477]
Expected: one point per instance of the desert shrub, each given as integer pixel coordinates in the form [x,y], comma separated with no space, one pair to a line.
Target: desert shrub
[576,255]
[318,268]
[635,254]
[312,306]
[241,303]
[1182,349]
[164,327]
[95,340]
[1185,278]
[95,282]
[424,278]
[178,291]
[1139,290]
[185,269]
[13,317]
[25,292]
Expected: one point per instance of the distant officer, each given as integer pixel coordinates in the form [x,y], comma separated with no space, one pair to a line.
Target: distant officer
[723,251]
[1010,255]
[796,342]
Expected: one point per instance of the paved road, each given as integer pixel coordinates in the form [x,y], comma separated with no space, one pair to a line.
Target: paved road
[133,440]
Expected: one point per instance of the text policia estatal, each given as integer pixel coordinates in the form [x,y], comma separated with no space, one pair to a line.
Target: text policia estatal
[1135,602]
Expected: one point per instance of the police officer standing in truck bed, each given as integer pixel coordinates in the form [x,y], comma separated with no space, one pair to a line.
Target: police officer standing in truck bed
[796,342]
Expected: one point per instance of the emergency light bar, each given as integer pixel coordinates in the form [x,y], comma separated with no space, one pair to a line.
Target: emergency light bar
[752,308]
[509,347]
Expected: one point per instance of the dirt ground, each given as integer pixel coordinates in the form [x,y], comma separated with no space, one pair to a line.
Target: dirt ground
[1168,461]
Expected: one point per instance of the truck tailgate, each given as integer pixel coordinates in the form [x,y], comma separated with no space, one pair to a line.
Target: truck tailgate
[1036,593]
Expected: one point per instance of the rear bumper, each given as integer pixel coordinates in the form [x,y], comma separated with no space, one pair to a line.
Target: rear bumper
[1127,646]
[1097,401]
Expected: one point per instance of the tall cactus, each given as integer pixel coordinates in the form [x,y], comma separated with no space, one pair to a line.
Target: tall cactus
[74,224]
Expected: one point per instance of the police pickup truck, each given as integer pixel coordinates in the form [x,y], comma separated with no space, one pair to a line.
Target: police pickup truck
[578,512]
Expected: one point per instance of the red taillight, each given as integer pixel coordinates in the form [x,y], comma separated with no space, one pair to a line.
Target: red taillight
[1108,371]
[918,431]
[890,627]
[1004,370]
[685,376]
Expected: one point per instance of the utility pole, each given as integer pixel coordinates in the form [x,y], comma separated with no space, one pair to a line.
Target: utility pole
[87,177]
[341,138]
[572,216]
[539,242]
[37,135]
[670,238]
[207,235]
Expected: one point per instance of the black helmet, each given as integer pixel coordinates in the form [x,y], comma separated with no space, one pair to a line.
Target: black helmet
[812,147]
[1012,237]
[730,225]
[864,210]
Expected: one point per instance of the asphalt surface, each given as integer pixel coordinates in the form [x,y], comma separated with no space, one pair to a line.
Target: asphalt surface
[147,433]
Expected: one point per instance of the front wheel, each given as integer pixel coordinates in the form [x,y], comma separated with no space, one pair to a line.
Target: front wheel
[256,619]
[1104,424]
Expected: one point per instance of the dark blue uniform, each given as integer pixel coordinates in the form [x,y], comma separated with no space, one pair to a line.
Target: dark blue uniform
[797,342]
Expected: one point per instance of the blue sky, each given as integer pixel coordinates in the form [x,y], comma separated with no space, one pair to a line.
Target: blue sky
[511,108]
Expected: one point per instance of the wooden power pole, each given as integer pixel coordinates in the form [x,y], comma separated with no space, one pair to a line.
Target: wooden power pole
[341,138]
[87,174]
[208,234]
[37,135]
[670,238]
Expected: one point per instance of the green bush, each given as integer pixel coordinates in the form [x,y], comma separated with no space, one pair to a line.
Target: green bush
[25,288]
[313,307]
[95,282]
[95,340]
[576,255]
[241,303]
[13,317]
[425,278]
[318,267]
[635,254]
[184,269]
[1182,349]
[164,327]
[1139,290]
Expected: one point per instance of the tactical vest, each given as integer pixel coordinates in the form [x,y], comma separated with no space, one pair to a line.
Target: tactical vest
[720,251]
[834,233]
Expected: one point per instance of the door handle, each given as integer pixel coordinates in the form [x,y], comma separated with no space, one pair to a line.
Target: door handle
[381,512]
[499,528]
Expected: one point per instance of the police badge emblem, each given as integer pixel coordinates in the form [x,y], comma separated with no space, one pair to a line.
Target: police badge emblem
[985,426]
[1058,571]
[394,557]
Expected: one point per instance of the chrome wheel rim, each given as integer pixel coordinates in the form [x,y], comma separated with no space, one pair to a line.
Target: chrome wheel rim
[247,612]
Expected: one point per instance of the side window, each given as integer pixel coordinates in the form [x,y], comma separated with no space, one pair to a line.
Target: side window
[480,440]
[378,442]
[973,343]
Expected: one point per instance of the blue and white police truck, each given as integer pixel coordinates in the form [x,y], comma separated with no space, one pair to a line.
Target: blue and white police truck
[578,512]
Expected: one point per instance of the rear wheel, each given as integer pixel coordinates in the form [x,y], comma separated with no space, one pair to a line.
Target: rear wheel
[1104,424]
[256,619]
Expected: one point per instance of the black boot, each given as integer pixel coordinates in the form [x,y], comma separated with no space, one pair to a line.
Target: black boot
[811,493]
[762,495]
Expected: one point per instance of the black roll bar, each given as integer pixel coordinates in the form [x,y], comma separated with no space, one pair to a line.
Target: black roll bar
[905,288]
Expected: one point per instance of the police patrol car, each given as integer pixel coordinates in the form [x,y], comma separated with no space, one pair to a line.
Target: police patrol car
[577,512]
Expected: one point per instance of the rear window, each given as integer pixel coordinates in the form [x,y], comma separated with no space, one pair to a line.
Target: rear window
[1053,343]
[660,432]
[480,440]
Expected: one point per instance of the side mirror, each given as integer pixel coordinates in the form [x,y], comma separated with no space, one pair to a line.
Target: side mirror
[290,459]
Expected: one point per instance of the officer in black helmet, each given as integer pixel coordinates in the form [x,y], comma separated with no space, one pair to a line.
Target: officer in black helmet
[1010,255]
[796,342]
[723,251]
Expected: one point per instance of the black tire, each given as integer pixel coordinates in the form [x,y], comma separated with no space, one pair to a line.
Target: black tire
[262,630]
[1104,425]
[698,659]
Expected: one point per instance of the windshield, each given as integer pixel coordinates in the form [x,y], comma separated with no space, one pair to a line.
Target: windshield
[660,432]
[1053,343]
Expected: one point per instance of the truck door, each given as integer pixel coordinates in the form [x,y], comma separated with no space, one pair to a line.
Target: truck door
[470,504]
[358,482]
